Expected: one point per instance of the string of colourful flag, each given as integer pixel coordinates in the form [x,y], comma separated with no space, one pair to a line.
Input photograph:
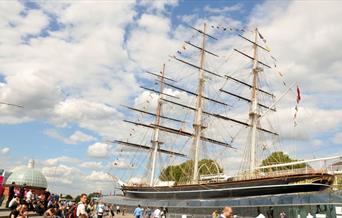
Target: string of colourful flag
[275,66]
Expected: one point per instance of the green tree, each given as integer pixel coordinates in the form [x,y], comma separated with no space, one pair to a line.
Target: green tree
[182,173]
[77,199]
[68,197]
[279,157]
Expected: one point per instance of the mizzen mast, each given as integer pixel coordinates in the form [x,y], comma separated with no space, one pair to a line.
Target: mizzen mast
[197,125]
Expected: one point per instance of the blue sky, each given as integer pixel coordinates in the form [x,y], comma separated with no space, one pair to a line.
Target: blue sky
[72,64]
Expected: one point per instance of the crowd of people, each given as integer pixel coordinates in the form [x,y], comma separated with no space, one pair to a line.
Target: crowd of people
[148,212]
[21,200]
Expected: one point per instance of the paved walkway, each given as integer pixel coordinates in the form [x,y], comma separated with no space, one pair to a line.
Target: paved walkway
[4,213]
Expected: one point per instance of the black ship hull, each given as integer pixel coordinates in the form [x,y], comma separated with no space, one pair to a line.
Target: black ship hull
[252,187]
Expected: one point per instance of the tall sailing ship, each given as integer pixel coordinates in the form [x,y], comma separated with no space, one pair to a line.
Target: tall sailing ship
[253,179]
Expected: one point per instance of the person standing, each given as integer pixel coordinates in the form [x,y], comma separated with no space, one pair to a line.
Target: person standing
[227,212]
[81,207]
[138,212]
[214,214]
[10,193]
[156,213]
[112,213]
[100,208]
[28,199]
[270,212]
[117,209]
[148,212]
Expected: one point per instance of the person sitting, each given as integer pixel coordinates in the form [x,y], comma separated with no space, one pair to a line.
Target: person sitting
[19,212]
[23,213]
[49,212]
[14,203]
[39,208]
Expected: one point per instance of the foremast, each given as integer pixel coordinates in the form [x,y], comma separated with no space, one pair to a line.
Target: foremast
[155,141]
[197,125]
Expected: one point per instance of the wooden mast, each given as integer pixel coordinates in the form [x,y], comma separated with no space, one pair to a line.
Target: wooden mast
[155,140]
[253,114]
[197,125]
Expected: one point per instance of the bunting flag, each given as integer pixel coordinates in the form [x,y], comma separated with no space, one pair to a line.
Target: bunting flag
[225,28]
[261,37]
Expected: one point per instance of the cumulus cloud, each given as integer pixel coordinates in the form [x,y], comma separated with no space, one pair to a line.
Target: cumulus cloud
[76,137]
[225,9]
[99,176]
[91,165]
[4,150]
[337,139]
[61,160]
[99,150]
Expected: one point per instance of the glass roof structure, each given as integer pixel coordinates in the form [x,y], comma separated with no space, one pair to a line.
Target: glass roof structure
[29,176]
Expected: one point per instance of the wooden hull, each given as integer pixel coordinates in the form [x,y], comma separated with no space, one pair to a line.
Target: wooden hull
[252,187]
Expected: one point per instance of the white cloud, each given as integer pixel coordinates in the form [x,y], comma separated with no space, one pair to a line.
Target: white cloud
[157,6]
[4,150]
[99,176]
[91,165]
[225,9]
[60,160]
[337,139]
[79,136]
[76,137]
[99,150]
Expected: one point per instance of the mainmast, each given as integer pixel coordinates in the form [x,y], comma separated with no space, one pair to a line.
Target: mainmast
[197,125]
[155,140]
[253,113]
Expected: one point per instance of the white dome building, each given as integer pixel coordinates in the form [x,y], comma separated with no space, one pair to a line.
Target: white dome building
[29,176]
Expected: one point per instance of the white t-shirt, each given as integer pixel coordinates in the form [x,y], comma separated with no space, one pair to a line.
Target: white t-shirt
[29,196]
[156,213]
[80,209]
[309,215]
[100,208]
[13,202]
[261,216]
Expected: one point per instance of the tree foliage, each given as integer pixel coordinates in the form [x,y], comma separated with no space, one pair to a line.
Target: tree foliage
[68,197]
[182,173]
[279,157]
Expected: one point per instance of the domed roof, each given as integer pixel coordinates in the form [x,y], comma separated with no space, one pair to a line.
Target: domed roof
[29,176]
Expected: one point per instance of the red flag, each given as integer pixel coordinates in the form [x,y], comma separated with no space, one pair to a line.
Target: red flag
[298,95]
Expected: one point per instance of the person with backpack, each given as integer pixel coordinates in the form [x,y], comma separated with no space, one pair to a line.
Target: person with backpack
[100,209]
[81,207]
